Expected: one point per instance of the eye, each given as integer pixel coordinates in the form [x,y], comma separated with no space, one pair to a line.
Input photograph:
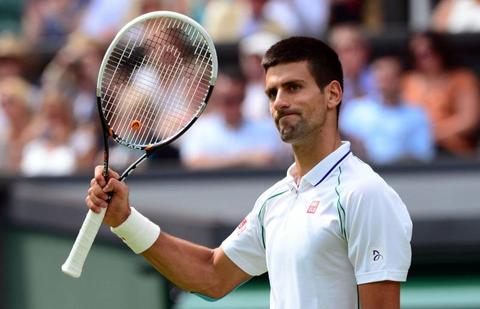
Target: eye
[272,94]
[294,87]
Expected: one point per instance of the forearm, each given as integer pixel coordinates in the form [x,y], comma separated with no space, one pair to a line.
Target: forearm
[454,126]
[187,265]
[383,294]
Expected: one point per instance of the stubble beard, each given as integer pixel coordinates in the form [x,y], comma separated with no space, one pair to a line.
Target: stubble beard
[291,132]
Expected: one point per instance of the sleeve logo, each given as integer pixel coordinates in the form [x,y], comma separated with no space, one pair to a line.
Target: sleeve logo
[377,256]
[242,226]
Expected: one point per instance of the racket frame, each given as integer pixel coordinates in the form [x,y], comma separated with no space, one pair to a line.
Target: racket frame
[74,264]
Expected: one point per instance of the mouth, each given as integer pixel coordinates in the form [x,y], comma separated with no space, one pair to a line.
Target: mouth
[285,115]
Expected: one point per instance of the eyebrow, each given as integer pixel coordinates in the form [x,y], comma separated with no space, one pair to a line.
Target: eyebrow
[285,84]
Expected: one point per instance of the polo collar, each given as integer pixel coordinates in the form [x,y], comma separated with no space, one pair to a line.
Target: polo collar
[324,168]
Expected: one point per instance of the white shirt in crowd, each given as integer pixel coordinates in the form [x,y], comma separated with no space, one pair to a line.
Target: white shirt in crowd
[211,136]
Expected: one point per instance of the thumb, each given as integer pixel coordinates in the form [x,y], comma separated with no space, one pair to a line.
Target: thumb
[111,186]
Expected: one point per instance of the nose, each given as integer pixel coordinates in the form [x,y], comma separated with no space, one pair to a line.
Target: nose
[281,101]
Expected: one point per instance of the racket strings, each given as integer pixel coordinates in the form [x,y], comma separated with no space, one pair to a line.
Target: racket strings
[132,88]
[129,97]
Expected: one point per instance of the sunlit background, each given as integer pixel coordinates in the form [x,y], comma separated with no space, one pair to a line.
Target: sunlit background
[416,61]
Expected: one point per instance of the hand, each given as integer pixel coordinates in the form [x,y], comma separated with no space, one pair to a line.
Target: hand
[118,208]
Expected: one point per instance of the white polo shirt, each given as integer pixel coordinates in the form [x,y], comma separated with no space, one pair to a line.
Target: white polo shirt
[343,225]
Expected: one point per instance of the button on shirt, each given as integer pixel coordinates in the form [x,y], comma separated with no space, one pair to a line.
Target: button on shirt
[341,226]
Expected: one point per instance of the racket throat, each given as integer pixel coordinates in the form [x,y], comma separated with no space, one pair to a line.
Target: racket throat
[134,165]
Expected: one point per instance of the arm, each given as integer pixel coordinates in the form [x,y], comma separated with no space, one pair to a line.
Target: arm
[192,267]
[383,294]
[379,230]
[195,268]
[464,102]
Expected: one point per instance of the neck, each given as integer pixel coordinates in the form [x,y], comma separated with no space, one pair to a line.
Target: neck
[311,151]
[391,99]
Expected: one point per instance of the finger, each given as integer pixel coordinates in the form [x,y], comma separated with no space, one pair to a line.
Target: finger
[97,201]
[99,176]
[113,174]
[113,185]
[97,191]
[92,206]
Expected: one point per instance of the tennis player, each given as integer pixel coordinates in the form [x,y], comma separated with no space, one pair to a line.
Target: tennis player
[331,234]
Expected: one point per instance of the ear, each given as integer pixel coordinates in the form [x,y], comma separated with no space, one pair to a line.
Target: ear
[333,94]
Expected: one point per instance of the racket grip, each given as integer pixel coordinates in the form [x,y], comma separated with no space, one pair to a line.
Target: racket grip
[74,264]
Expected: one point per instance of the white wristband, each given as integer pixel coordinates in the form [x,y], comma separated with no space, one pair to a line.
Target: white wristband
[138,232]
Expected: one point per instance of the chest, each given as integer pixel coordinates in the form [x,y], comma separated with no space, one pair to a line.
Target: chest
[303,227]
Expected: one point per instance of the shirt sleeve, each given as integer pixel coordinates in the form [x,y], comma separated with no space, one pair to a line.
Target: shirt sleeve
[245,246]
[378,230]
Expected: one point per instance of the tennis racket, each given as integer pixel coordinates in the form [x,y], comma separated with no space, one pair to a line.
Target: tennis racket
[154,81]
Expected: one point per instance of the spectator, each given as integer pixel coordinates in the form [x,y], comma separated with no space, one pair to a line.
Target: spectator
[12,63]
[449,95]
[74,70]
[352,48]
[228,21]
[12,54]
[103,18]
[387,129]
[225,138]
[456,16]
[49,152]
[47,23]
[300,17]
[15,100]
[252,48]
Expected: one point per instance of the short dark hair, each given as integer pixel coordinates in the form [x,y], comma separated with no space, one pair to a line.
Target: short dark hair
[322,60]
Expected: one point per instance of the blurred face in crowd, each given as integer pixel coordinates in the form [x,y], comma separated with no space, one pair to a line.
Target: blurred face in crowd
[57,113]
[13,107]
[252,67]
[387,72]
[10,66]
[257,7]
[297,104]
[351,49]
[229,95]
[13,100]
[425,57]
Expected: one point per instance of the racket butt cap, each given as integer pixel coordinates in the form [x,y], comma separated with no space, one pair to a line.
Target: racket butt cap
[71,271]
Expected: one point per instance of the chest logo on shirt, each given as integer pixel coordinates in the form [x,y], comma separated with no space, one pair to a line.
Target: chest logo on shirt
[313,207]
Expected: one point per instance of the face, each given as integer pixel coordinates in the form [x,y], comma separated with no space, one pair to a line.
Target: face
[387,72]
[298,106]
[426,59]
[351,51]
[229,95]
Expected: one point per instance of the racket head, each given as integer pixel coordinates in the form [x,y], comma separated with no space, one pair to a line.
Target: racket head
[155,79]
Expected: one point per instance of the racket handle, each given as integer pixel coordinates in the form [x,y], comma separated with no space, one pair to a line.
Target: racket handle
[74,263]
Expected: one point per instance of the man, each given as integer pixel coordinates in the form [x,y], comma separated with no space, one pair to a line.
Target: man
[224,138]
[331,234]
[385,127]
[353,50]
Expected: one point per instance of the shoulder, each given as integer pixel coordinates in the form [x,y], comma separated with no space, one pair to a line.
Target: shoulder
[265,126]
[462,76]
[413,111]
[356,111]
[361,185]
[275,190]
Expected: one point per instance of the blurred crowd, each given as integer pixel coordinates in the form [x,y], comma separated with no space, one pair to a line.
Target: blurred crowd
[397,107]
